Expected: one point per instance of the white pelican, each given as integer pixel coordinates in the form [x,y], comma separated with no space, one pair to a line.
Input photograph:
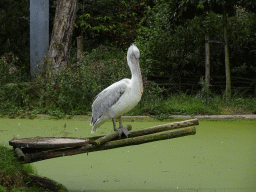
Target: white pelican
[120,97]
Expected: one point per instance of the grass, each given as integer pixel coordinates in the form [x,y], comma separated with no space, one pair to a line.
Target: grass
[15,176]
[161,108]
[183,104]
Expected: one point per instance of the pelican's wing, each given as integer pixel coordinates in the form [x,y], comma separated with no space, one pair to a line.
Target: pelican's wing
[107,98]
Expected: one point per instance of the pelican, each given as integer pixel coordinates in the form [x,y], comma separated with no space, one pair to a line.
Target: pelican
[120,97]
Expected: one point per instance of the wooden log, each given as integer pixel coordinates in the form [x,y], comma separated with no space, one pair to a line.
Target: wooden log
[152,137]
[109,137]
[165,127]
[21,156]
[33,157]
[155,129]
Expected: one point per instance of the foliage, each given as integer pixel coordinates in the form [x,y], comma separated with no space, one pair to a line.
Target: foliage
[14,31]
[8,69]
[173,49]
[9,166]
[182,10]
[242,45]
[184,104]
[74,87]
[9,163]
[177,52]
[205,93]
[110,22]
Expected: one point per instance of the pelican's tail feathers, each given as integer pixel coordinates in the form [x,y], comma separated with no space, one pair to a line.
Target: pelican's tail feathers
[94,129]
[91,123]
[96,123]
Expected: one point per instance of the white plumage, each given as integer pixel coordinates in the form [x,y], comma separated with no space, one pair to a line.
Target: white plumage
[120,97]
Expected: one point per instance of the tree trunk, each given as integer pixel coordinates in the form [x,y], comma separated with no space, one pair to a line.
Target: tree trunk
[62,33]
[207,63]
[227,64]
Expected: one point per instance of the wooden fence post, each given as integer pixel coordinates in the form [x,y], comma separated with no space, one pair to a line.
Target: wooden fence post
[207,62]
[79,47]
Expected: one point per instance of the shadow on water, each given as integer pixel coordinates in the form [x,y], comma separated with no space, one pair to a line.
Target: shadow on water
[221,157]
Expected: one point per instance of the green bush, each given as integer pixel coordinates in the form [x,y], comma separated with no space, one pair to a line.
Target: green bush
[76,85]
[70,91]
[73,88]
[8,69]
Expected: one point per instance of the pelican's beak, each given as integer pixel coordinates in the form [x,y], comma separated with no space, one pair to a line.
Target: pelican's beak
[139,75]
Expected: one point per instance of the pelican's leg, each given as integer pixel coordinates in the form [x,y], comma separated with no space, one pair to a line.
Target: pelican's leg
[120,122]
[115,129]
[114,124]
[122,128]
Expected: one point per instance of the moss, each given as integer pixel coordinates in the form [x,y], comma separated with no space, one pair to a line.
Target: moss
[60,46]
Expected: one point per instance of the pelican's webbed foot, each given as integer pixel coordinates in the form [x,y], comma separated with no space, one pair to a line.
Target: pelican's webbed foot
[123,130]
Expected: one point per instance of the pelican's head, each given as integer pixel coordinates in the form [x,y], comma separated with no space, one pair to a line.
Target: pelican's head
[133,56]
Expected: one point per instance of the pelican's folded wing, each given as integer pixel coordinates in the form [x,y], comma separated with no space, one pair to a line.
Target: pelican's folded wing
[107,98]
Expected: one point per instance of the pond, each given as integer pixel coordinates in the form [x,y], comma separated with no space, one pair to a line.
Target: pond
[220,157]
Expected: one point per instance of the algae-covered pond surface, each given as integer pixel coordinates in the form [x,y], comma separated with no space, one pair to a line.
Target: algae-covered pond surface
[220,157]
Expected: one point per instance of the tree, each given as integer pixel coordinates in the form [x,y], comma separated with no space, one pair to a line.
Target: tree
[61,37]
[112,22]
[14,32]
[172,49]
[181,11]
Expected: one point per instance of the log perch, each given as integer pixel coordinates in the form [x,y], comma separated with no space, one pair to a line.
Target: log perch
[109,137]
[33,157]
[149,138]
[164,127]
[155,129]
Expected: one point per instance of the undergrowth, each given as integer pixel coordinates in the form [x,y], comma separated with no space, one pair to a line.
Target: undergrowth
[9,163]
[12,174]
[71,91]
[183,104]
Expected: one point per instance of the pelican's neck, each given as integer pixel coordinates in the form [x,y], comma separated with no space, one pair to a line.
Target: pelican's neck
[136,74]
[133,55]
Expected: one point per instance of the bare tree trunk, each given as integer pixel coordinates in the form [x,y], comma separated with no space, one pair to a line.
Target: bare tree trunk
[227,64]
[62,33]
[207,62]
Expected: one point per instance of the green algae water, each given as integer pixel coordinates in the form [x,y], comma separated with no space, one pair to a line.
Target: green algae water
[220,157]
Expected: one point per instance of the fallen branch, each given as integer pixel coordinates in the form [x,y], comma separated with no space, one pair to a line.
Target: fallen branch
[33,157]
